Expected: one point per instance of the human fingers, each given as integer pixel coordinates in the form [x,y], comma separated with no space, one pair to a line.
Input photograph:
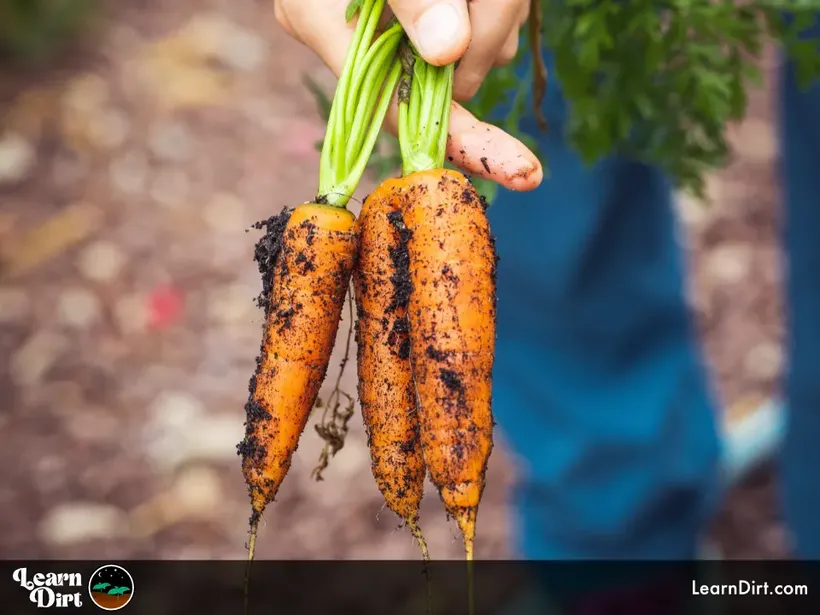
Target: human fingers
[508,51]
[510,48]
[493,23]
[485,150]
[439,29]
[320,25]
[481,149]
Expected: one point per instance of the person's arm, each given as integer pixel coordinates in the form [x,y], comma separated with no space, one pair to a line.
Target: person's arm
[442,31]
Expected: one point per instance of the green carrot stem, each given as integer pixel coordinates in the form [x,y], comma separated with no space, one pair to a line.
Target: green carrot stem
[360,70]
[371,22]
[348,184]
[405,127]
[418,75]
[424,115]
[377,64]
[443,129]
[332,157]
[350,139]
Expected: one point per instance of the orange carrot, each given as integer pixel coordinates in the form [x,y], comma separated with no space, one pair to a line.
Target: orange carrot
[308,255]
[307,258]
[451,311]
[452,334]
[386,390]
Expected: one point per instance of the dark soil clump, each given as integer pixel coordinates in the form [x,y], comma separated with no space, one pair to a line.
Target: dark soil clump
[400,257]
[451,380]
[436,355]
[401,326]
[267,251]
[404,349]
[267,256]
[306,264]
[311,229]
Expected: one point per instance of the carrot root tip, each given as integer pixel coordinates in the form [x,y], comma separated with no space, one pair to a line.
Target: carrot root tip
[470,579]
[417,534]
[254,530]
[425,554]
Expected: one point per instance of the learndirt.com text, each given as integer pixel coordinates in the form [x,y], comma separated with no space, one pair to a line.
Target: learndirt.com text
[748,588]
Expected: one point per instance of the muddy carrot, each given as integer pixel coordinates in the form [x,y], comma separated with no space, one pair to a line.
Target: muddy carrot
[307,255]
[359,86]
[452,303]
[386,389]
[452,335]
[306,259]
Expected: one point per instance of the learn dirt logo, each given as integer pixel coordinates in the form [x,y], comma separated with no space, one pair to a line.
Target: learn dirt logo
[51,589]
[111,587]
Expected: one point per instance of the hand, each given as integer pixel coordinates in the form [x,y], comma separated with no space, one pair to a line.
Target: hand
[442,31]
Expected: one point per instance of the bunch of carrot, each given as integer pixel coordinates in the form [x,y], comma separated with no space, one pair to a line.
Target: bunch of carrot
[425,290]
[426,237]
[422,260]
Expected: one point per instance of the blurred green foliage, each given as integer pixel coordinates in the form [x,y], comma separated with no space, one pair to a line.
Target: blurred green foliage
[660,80]
[34,31]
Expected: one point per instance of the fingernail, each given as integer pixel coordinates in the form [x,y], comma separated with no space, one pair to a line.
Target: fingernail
[436,30]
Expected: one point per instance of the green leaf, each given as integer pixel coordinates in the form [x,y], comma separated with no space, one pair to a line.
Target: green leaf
[352,9]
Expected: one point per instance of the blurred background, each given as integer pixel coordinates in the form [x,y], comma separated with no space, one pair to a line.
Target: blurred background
[140,140]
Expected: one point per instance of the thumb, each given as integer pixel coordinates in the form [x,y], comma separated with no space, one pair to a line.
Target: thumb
[439,29]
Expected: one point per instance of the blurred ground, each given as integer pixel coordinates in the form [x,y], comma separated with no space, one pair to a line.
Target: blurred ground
[128,332]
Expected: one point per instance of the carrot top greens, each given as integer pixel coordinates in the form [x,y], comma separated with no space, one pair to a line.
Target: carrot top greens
[363,93]
[425,99]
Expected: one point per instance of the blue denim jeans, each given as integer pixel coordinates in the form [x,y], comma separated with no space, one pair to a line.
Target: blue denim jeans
[600,386]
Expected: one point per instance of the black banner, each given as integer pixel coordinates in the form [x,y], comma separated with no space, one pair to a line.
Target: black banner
[392,588]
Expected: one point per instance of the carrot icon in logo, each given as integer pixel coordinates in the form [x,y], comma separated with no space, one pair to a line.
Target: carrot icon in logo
[111,587]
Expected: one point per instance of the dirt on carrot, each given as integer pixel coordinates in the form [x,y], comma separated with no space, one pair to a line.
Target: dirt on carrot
[386,387]
[306,258]
[267,250]
[452,312]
